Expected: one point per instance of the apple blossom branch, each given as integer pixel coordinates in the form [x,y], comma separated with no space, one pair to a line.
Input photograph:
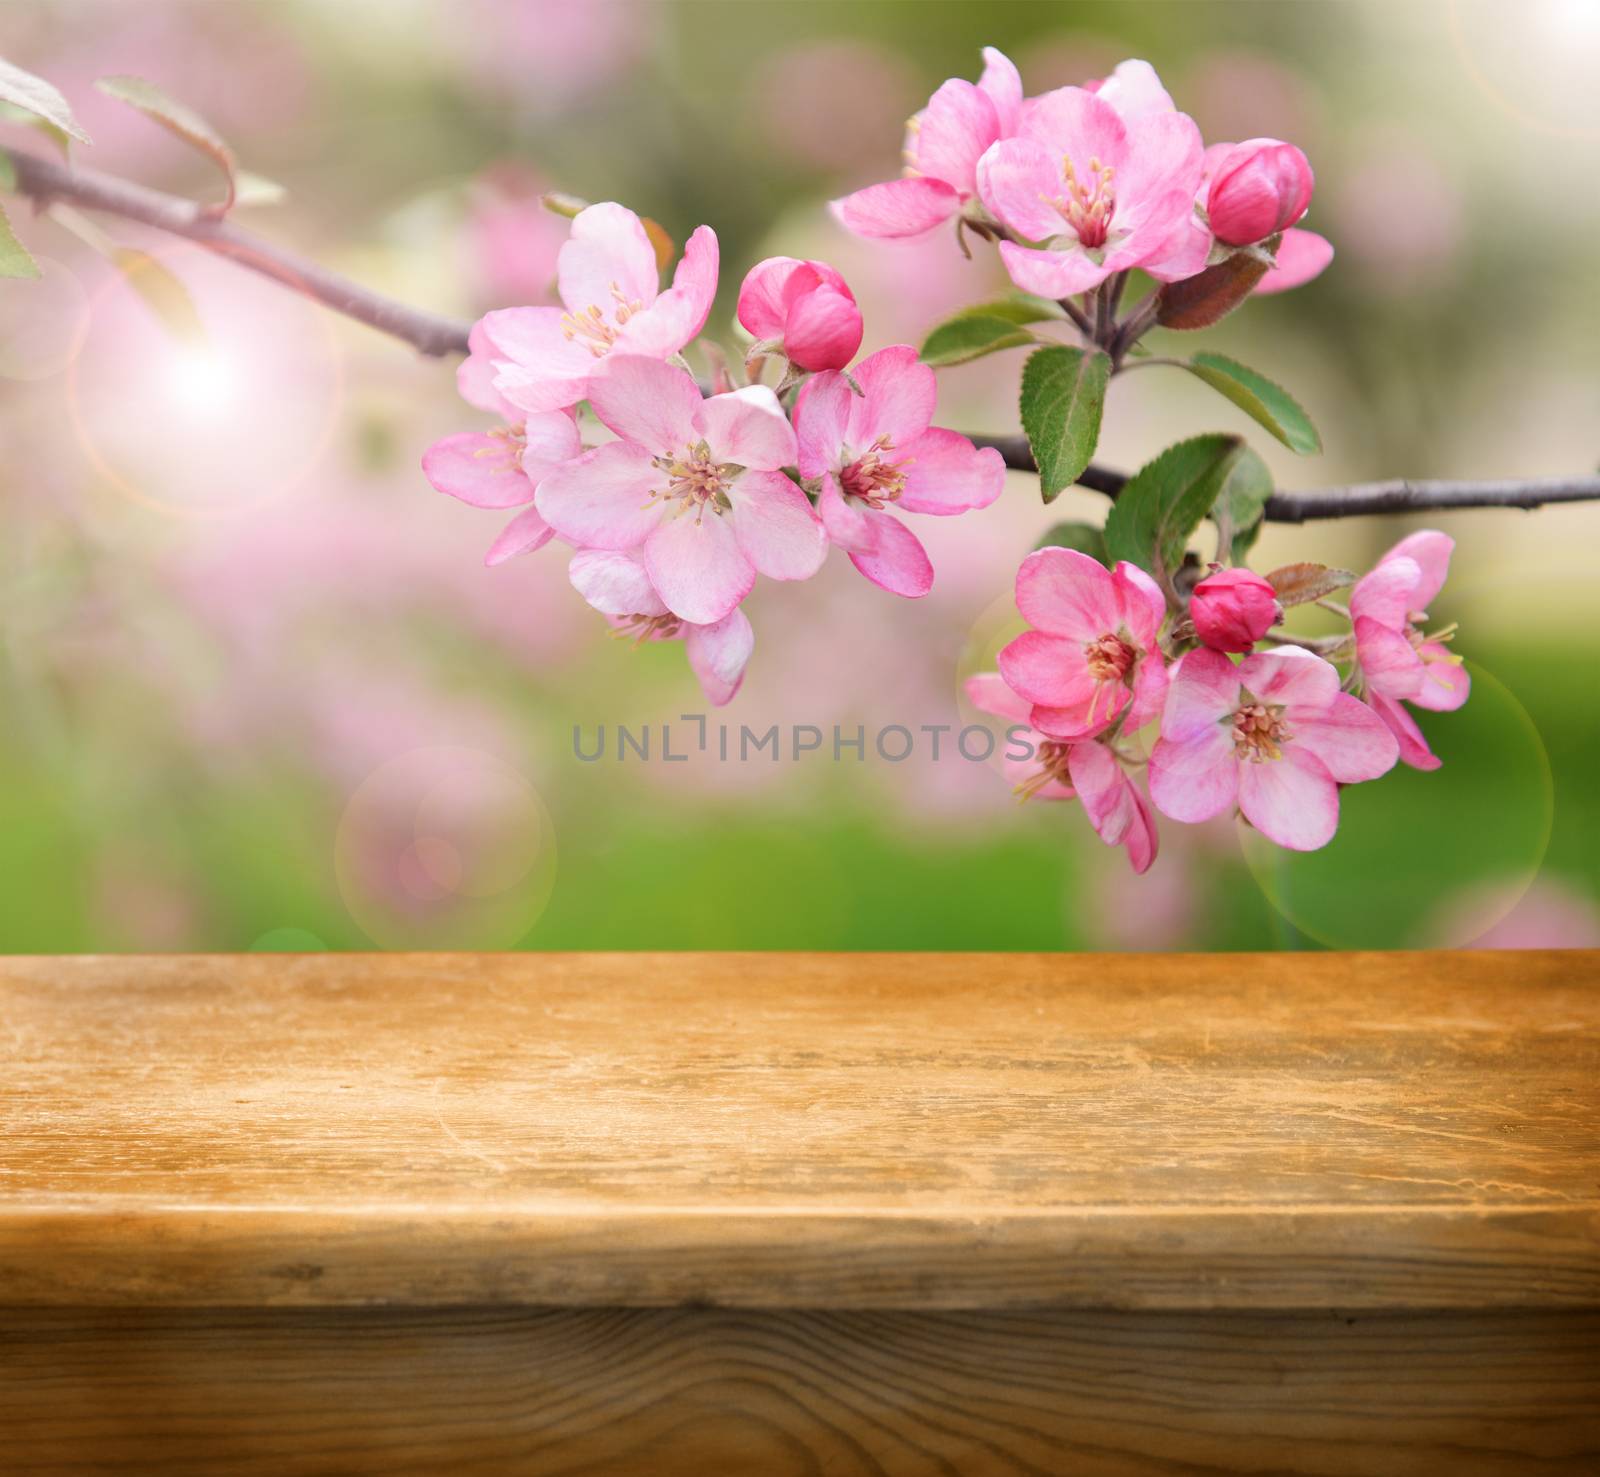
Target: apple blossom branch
[44,181]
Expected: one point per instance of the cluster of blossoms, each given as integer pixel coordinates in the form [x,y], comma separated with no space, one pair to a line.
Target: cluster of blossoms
[1140,670]
[672,520]
[1082,183]
[1108,682]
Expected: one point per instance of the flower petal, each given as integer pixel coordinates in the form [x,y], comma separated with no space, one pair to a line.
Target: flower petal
[475,377]
[1431,551]
[747,427]
[681,311]
[1001,83]
[1389,662]
[1352,742]
[1102,786]
[522,535]
[897,399]
[1292,800]
[1135,91]
[776,528]
[897,562]
[645,401]
[602,500]
[1195,778]
[1068,594]
[988,693]
[898,208]
[1290,675]
[1414,748]
[549,439]
[821,422]
[1055,274]
[958,124]
[719,653]
[1017,179]
[1078,124]
[1143,605]
[947,474]
[479,469]
[614,583]
[1204,691]
[1302,255]
[1387,595]
[1151,683]
[607,262]
[1050,671]
[1445,681]
[695,563]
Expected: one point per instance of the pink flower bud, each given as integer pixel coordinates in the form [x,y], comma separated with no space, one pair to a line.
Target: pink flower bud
[807,306]
[1233,609]
[1260,187]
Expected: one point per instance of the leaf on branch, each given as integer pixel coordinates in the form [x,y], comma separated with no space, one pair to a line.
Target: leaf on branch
[1166,499]
[1300,584]
[1259,398]
[1084,537]
[162,292]
[180,119]
[1209,296]
[257,189]
[36,96]
[15,260]
[1239,506]
[971,336]
[1063,394]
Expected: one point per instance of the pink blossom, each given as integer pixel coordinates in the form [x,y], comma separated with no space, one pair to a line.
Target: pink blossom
[1055,769]
[806,307]
[693,484]
[619,587]
[1258,188]
[1091,657]
[1233,609]
[1398,660]
[1101,191]
[502,468]
[544,358]
[1274,735]
[943,145]
[878,447]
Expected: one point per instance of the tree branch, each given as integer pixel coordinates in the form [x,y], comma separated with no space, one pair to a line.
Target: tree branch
[44,180]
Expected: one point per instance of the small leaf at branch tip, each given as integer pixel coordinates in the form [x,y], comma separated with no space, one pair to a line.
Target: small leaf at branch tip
[566,206]
[1300,584]
[1084,537]
[36,96]
[1063,395]
[1209,296]
[15,259]
[257,189]
[179,119]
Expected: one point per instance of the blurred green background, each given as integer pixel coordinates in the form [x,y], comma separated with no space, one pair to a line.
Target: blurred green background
[258,691]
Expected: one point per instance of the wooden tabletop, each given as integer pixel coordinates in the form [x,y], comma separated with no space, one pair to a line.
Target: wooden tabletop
[808,1131]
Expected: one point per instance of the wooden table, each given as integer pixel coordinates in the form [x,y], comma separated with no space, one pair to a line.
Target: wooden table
[772,1214]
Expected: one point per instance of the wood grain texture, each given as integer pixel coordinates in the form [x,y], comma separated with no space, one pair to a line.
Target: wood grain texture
[716,1393]
[880,1131]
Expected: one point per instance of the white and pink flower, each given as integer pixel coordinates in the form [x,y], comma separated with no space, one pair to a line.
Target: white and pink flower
[1092,656]
[879,449]
[1056,769]
[544,358]
[943,145]
[1099,188]
[1400,662]
[693,484]
[618,586]
[1273,735]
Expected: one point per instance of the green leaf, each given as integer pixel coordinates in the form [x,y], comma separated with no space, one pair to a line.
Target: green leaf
[1165,501]
[14,258]
[963,339]
[162,292]
[36,96]
[177,118]
[1239,506]
[1260,399]
[1063,393]
[1084,537]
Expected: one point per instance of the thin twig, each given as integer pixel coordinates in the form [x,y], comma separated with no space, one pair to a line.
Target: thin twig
[44,180]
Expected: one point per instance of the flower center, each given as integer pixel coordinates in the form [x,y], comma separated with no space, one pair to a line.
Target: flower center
[1259,733]
[874,478]
[507,456]
[1052,758]
[589,327]
[1109,658]
[1086,204]
[695,481]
